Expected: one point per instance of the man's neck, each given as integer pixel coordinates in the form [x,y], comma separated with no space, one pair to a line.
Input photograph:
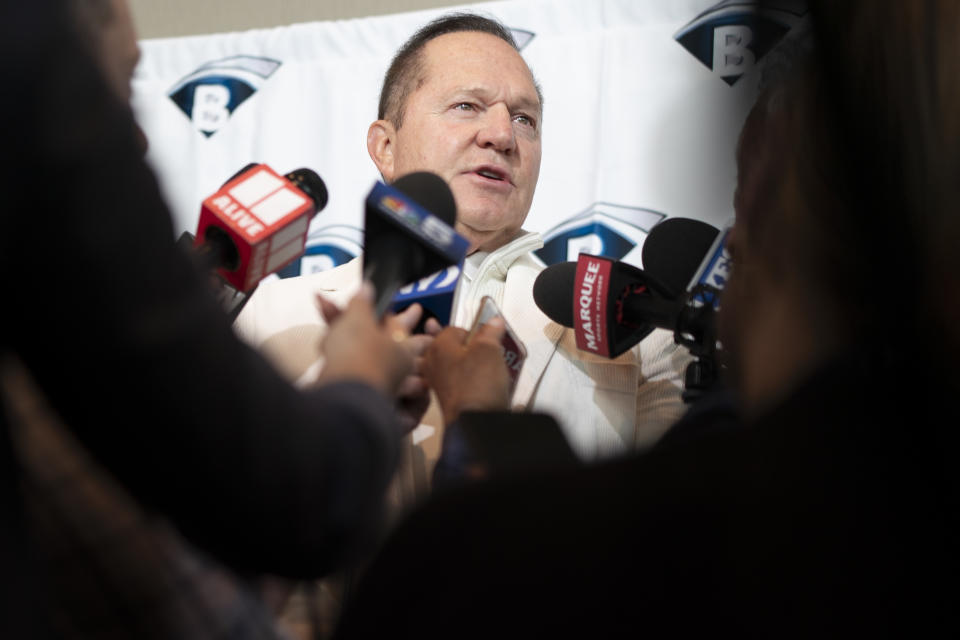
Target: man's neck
[488,241]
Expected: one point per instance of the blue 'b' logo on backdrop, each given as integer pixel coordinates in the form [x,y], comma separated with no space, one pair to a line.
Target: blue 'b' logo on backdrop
[604,229]
[731,37]
[210,94]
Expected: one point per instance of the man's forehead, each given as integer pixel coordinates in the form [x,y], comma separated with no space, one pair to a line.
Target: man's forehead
[451,53]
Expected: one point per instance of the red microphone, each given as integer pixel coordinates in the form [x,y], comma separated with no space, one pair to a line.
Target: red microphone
[610,305]
[257,223]
[590,295]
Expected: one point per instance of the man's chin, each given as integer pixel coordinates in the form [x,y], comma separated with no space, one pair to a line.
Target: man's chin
[486,240]
[484,220]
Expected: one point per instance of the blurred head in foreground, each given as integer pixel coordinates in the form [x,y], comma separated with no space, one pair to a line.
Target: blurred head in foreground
[846,198]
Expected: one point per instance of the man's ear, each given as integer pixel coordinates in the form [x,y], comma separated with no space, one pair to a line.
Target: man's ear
[380,139]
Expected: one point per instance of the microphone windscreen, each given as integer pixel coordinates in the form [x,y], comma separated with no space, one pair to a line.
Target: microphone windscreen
[553,292]
[311,184]
[250,165]
[674,250]
[431,192]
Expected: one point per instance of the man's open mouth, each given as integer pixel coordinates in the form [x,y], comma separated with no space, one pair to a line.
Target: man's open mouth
[491,173]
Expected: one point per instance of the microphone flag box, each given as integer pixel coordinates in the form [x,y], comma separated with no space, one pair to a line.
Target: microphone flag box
[265,216]
[713,273]
[590,295]
[434,293]
[605,296]
[443,245]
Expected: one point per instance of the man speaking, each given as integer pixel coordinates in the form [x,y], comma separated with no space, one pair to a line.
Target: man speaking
[458,100]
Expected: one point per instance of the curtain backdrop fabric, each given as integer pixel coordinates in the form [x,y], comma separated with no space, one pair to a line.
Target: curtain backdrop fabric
[644,100]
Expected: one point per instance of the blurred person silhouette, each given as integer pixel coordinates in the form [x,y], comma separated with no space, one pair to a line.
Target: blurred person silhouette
[151,411]
[831,511]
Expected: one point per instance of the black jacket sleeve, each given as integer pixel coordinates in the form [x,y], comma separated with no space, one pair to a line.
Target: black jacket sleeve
[131,348]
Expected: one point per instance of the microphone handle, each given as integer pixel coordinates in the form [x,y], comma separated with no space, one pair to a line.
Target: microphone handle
[659,312]
[217,251]
[393,259]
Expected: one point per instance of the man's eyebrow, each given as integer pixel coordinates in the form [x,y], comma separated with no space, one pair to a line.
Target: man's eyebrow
[531,104]
[523,102]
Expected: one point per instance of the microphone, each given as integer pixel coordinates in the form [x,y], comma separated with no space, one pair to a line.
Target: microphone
[611,305]
[434,293]
[714,271]
[674,250]
[408,229]
[257,223]
[691,255]
[687,267]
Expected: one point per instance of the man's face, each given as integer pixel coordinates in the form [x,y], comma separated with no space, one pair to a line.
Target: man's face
[474,121]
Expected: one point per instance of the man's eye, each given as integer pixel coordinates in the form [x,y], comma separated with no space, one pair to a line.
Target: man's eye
[463,106]
[524,120]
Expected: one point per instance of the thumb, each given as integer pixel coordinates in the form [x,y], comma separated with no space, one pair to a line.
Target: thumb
[491,331]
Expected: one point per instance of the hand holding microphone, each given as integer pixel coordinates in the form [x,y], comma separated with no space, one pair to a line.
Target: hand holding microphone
[413,396]
[467,371]
[350,353]
[360,347]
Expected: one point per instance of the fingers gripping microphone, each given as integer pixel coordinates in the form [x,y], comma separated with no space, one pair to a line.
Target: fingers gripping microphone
[610,305]
[257,223]
[408,228]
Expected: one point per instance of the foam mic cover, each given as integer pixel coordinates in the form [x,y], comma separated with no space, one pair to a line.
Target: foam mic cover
[408,229]
[674,250]
[610,305]
[553,292]
[257,223]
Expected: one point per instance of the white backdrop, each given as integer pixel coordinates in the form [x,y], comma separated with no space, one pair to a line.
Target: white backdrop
[643,103]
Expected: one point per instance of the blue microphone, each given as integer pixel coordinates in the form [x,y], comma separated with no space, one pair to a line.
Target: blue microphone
[409,233]
[434,293]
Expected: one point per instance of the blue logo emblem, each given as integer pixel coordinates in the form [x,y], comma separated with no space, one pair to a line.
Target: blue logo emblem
[522,37]
[211,94]
[731,37]
[604,229]
[326,248]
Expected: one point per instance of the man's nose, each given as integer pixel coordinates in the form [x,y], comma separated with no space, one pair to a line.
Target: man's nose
[496,131]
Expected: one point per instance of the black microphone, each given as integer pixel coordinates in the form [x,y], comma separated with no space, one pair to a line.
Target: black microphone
[674,249]
[691,256]
[408,233]
[611,305]
[687,268]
